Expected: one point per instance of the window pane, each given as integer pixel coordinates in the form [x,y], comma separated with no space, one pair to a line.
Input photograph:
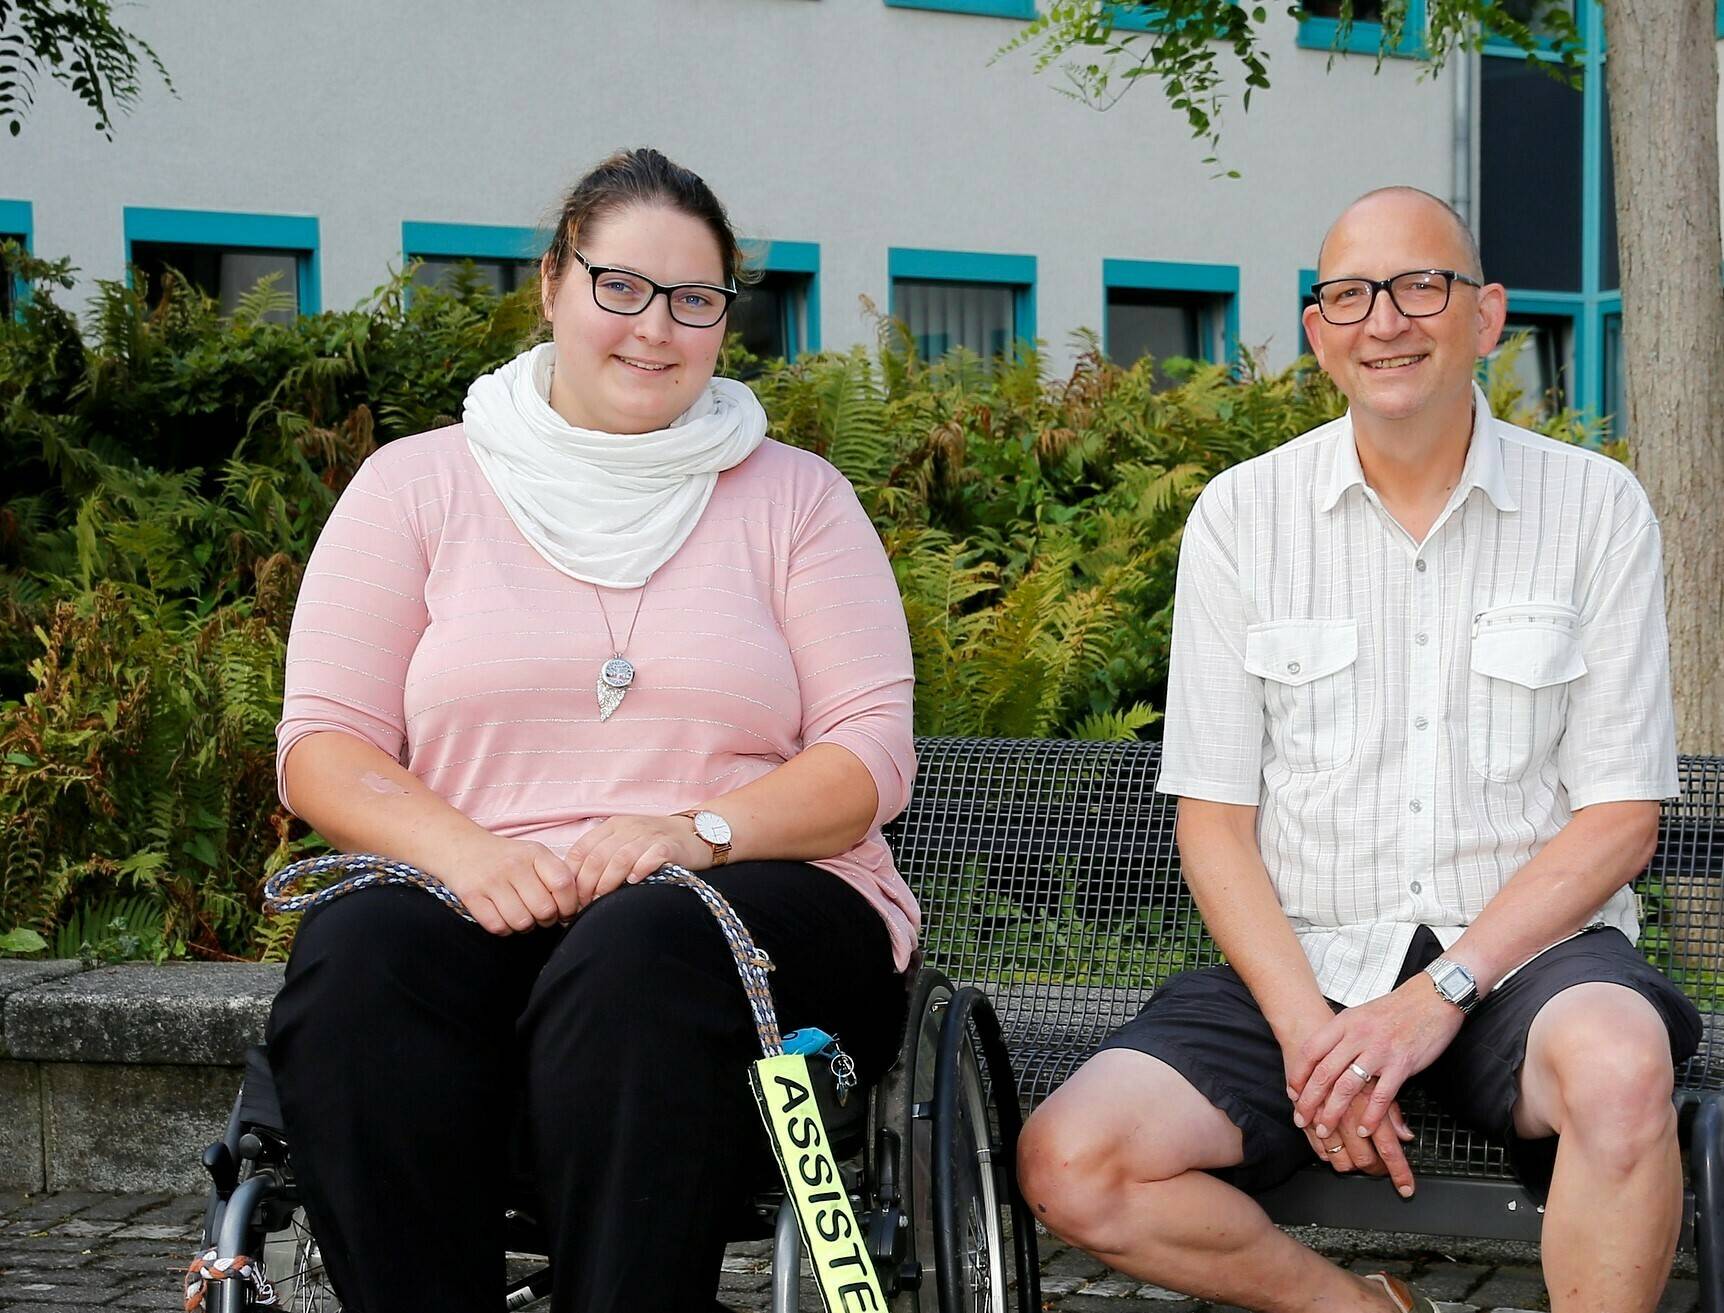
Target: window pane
[1543,367]
[1529,165]
[1163,324]
[1364,11]
[225,273]
[770,316]
[1615,377]
[498,276]
[942,317]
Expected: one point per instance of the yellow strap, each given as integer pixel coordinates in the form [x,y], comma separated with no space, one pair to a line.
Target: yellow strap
[842,1268]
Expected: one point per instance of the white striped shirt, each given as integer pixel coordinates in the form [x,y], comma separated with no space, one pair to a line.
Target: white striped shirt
[1414,721]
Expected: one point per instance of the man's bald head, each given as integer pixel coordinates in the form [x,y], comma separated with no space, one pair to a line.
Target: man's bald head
[1383,198]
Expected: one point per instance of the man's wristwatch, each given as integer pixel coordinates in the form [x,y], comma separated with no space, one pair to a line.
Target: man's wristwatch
[714,831]
[1455,983]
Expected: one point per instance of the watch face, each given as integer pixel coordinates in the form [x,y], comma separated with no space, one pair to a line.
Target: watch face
[1454,981]
[712,827]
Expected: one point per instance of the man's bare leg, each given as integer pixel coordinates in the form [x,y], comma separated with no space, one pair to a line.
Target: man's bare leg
[1112,1163]
[1598,1073]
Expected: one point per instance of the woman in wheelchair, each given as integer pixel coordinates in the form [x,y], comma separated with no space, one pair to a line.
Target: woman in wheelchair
[602,625]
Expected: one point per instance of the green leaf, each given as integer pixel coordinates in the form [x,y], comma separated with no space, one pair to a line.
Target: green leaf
[22,941]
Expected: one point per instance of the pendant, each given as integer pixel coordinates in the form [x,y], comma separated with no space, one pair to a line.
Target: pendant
[615,676]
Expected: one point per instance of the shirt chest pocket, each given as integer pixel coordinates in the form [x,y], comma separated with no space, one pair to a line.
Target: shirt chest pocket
[1524,657]
[1310,704]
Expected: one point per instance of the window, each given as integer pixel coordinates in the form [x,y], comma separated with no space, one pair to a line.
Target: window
[1530,177]
[1544,368]
[226,254]
[1301,342]
[779,316]
[500,258]
[957,299]
[1025,9]
[1320,28]
[15,226]
[1162,310]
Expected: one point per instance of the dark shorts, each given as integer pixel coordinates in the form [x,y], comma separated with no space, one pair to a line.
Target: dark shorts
[1208,1028]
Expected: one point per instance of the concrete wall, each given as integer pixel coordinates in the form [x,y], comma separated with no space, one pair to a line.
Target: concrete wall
[842,122]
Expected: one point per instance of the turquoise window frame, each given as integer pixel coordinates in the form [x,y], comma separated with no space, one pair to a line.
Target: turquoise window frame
[1020,9]
[1218,280]
[777,257]
[1546,48]
[1018,272]
[1365,38]
[470,241]
[297,233]
[19,217]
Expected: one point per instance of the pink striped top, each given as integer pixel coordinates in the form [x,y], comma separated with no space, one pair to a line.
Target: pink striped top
[428,626]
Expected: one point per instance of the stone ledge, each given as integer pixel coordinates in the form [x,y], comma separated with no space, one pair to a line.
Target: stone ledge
[18,976]
[186,1014]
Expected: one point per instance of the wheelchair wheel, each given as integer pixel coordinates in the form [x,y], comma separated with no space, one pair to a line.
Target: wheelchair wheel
[294,1264]
[901,1225]
[978,1212]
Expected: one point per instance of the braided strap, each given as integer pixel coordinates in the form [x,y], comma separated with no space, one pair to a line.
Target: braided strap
[752,963]
[207,1267]
[363,870]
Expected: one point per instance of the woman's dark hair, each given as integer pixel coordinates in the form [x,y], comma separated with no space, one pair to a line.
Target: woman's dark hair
[642,176]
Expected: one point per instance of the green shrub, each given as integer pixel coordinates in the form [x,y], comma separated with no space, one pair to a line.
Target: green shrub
[170,470]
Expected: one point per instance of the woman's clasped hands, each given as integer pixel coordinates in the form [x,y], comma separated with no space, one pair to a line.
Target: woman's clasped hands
[511,885]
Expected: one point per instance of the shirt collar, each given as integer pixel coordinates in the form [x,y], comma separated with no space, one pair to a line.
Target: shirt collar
[1483,469]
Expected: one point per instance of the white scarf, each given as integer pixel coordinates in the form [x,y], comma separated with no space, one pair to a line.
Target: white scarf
[608,508]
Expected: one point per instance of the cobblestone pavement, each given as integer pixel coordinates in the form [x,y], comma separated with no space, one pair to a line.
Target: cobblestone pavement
[66,1251]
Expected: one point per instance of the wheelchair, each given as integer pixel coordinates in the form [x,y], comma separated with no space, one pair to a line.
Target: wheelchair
[928,1157]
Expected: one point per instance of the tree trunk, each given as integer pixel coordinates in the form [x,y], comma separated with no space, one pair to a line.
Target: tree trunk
[1662,74]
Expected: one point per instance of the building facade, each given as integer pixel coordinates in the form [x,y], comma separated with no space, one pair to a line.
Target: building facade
[880,155]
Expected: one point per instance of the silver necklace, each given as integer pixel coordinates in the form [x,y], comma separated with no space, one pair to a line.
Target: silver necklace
[617,673]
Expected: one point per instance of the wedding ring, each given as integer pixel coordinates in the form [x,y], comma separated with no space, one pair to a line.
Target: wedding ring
[1334,1148]
[1359,1071]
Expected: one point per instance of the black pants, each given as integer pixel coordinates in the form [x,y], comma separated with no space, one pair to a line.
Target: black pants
[412,1051]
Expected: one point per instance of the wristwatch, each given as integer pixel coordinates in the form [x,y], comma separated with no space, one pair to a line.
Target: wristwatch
[1455,983]
[714,831]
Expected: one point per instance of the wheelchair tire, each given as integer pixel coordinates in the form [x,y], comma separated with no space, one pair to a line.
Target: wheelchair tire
[978,1211]
[901,1229]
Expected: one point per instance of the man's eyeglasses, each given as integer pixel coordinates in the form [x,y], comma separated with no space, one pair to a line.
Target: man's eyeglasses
[1417,295]
[624,292]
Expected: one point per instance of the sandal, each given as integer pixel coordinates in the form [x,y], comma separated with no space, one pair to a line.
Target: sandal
[1401,1295]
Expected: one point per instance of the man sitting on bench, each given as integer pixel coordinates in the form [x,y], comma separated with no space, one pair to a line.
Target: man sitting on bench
[1419,723]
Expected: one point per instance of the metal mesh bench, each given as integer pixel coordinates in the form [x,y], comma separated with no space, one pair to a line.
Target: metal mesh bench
[1048,875]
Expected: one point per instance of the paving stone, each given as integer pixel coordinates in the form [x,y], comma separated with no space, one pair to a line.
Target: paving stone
[125,1207]
[1680,1297]
[1156,1292]
[1449,1281]
[1087,1303]
[1113,1286]
[58,1293]
[1443,1306]
[1511,1288]
[79,1227]
[1069,1262]
[38,1259]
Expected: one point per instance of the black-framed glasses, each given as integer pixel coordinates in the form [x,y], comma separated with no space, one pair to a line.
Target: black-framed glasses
[624,292]
[1418,294]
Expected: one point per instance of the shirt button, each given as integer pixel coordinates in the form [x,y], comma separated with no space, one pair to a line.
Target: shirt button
[1415,805]
[1419,722]
[1419,565]
[1292,667]
[1415,886]
[1421,639]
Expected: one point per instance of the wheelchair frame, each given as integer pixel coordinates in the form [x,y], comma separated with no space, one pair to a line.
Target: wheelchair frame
[930,1168]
